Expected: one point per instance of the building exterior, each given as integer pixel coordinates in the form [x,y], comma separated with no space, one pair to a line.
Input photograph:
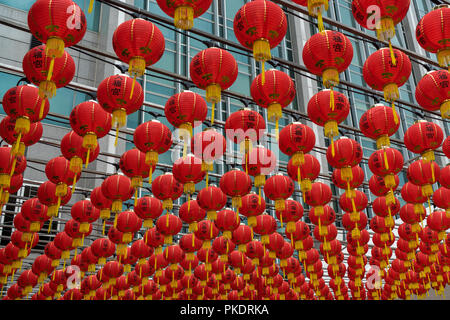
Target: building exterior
[180,49]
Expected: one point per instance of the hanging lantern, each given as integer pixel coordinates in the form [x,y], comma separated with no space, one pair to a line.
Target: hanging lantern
[184,11]
[278,188]
[260,32]
[432,33]
[379,123]
[389,14]
[386,163]
[128,223]
[117,188]
[253,205]
[292,212]
[423,137]
[85,213]
[328,108]
[47,196]
[273,90]
[297,139]
[58,171]
[188,171]
[304,173]
[245,127]
[432,92]
[441,199]
[115,96]
[327,54]
[213,70]
[103,248]
[90,121]
[211,199]
[17,140]
[167,189]
[227,221]
[318,196]
[169,225]
[382,74]
[42,267]
[148,208]
[132,164]
[72,149]
[15,184]
[102,203]
[152,138]
[72,228]
[424,174]
[348,185]
[37,68]
[347,154]
[265,225]
[258,163]
[186,110]
[236,184]
[208,145]
[140,44]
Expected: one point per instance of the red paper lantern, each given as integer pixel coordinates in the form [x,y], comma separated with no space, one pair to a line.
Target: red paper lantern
[273,90]
[211,199]
[260,32]
[184,11]
[236,184]
[90,121]
[432,32]
[344,154]
[23,104]
[85,213]
[17,140]
[14,186]
[58,171]
[382,73]
[188,171]
[152,138]
[35,212]
[386,163]
[133,165]
[259,162]
[424,174]
[213,70]
[356,203]
[120,96]
[304,173]
[128,223]
[245,127]
[441,198]
[139,43]
[423,137]
[265,225]
[432,92]
[327,54]
[253,205]
[117,188]
[148,208]
[167,189]
[379,123]
[72,149]
[169,225]
[315,8]
[227,221]
[378,187]
[103,248]
[292,212]
[278,188]
[348,185]
[37,68]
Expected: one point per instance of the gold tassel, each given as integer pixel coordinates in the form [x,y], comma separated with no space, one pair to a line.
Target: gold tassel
[135,197]
[74,183]
[386,163]
[41,110]
[332,99]
[50,224]
[132,86]
[87,157]
[320,21]
[103,228]
[394,112]
[150,175]
[117,136]
[391,50]
[263,72]
[50,69]
[213,106]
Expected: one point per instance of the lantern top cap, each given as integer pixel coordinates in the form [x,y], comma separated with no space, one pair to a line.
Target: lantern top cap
[441,6]
[419,121]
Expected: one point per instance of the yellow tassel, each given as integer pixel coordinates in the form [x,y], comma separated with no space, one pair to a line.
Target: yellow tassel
[50,69]
[394,112]
[320,21]
[331,99]
[91,6]
[135,197]
[103,228]
[332,147]
[132,86]
[50,225]
[74,183]
[150,175]
[213,106]
[13,167]
[87,157]
[259,193]
[41,110]
[386,163]
[277,132]
[263,72]
[167,219]
[17,144]
[391,50]
[432,172]
[115,220]
[207,178]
